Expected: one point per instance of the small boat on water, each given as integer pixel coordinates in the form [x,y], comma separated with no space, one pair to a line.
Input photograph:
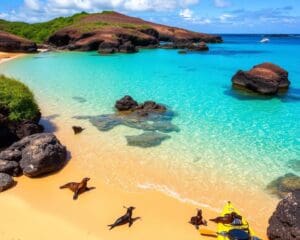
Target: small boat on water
[239,229]
[264,40]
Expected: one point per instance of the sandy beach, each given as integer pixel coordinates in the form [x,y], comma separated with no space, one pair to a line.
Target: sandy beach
[7,56]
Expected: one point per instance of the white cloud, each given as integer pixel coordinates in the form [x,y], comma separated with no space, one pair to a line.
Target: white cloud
[224,18]
[32,4]
[222,3]
[186,13]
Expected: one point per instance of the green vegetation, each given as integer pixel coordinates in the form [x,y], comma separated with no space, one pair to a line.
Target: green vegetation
[39,32]
[17,97]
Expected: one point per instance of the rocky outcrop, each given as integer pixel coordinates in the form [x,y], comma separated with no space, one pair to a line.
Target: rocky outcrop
[114,32]
[11,131]
[187,46]
[6,182]
[13,43]
[265,78]
[285,221]
[37,154]
[284,184]
[9,167]
[127,103]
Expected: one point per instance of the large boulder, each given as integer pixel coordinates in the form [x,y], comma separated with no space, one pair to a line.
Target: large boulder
[12,43]
[265,78]
[6,182]
[285,221]
[41,153]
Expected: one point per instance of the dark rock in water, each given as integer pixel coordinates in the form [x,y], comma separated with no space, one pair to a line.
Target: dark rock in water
[77,129]
[265,78]
[182,52]
[40,154]
[285,184]
[126,103]
[147,139]
[198,47]
[285,221]
[79,99]
[149,107]
[6,182]
[294,165]
[108,47]
[9,167]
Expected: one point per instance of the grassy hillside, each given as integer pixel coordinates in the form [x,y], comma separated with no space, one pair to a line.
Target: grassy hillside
[20,101]
[39,32]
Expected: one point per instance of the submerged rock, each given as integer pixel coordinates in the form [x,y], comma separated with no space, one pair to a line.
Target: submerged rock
[285,221]
[147,139]
[265,78]
[6,182]
[40,154]
[285,184]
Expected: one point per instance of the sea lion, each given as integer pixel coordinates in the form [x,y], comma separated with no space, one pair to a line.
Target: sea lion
[78,188]
[77,129]
[227,218]
[126,218]
[198,219]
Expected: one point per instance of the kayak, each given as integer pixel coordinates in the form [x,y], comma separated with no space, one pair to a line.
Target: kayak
[235,231]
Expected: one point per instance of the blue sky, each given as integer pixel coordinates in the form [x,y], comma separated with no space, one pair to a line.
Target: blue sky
[214,16]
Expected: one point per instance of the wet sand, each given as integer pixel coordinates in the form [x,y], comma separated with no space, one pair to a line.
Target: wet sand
[6,56]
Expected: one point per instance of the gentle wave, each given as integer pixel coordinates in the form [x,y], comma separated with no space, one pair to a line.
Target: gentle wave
[171,193]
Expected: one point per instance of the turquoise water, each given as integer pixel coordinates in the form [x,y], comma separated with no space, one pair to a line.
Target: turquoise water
[251,139]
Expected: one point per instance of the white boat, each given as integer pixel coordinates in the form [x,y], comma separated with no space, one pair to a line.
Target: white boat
[265,40]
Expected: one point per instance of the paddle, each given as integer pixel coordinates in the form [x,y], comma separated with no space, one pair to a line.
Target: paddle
[208,233]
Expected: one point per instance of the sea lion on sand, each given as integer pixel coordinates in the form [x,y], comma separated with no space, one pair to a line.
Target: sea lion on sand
[227,218]
[126,218]
[78,188]
[198,219]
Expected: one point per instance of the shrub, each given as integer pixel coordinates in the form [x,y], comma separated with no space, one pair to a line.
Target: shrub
[18,99]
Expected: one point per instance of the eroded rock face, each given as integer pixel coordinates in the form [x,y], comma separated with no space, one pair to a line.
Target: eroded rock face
[283,185]
[285,221]
[13,43]
[265,78]
[9,167]
[37,154]
[6,182]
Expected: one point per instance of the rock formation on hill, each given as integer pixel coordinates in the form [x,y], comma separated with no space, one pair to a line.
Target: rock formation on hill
[12,43]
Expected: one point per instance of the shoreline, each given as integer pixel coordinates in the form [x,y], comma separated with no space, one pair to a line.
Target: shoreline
[8,56]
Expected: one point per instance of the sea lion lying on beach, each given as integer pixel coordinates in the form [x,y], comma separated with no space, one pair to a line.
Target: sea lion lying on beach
[126,218]
[227,218]
[198,219]
[78,188]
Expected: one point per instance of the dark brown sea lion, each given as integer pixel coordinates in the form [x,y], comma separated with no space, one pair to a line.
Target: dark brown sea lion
[198,219]
[78,188]
[126,218]
[227,218]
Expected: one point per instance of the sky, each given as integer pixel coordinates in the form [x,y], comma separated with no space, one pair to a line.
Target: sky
[211,16]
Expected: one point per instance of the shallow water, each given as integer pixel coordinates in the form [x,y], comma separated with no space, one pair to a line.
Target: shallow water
[225,138]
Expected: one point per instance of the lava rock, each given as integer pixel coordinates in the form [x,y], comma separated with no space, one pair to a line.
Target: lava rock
[77,129]
[40,154]
[6,182]
[285,221]
[265,78]
[13,43]
[9,167]
[126,103]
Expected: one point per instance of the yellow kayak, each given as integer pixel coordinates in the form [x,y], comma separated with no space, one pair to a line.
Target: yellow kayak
[238,231]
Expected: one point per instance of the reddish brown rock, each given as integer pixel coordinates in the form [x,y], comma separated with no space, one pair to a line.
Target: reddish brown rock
[13,43]
[265,78]
[114,32]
